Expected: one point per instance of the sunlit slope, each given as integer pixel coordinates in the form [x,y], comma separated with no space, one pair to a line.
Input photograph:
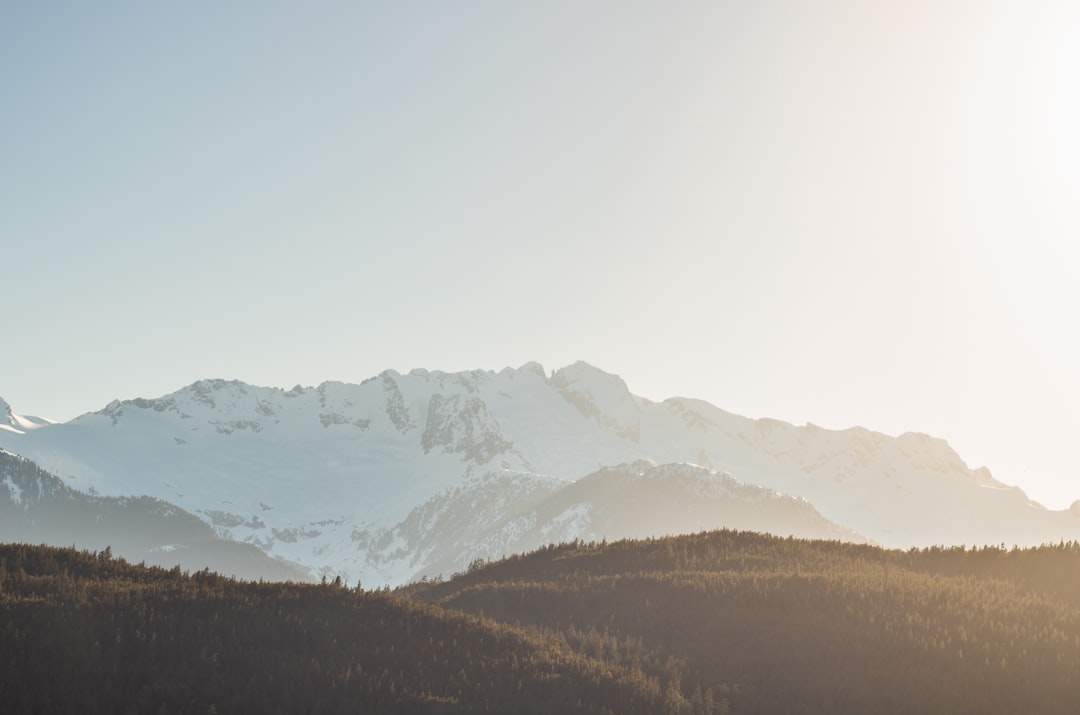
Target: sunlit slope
[790,626]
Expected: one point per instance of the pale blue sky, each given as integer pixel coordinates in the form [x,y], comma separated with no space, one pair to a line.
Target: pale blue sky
[856,212]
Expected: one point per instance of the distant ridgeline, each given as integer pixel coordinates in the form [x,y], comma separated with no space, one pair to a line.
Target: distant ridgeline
[717,622]
[37,507]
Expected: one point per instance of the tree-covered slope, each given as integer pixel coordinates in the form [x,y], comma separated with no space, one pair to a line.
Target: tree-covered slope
[789,626]
[86,633]
[718,622]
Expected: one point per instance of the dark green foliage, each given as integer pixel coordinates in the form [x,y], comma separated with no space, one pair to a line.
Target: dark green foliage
[705,624]
[788,626]
[84,633]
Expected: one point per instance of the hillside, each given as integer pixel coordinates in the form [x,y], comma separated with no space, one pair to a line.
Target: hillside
[790,626]
[86,633]
[37,507]
[717,622]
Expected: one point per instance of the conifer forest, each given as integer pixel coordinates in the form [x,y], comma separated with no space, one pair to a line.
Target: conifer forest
[716,622]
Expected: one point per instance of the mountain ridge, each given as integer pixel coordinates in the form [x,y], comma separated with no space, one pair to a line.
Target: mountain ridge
[336,476]
[37,507]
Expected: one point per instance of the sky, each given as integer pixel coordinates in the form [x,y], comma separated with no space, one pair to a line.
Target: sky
[858,212]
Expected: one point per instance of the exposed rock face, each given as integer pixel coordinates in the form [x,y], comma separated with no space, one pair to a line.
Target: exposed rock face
[461,424]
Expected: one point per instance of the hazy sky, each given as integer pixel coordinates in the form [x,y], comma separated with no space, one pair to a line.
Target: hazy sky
[862,212]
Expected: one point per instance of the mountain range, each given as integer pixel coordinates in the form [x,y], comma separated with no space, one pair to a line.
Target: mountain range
[406,476]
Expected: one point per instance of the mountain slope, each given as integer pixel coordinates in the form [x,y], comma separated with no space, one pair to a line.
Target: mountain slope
[347,478]
[705,624]
[497,515]
[84,633]
[36,507]
[789,626]
[642,500]
[19,424]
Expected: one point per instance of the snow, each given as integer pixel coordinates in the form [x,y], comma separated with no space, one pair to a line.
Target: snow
[19,424]
[30,422]
[575,520]
[314,473]
[13,489]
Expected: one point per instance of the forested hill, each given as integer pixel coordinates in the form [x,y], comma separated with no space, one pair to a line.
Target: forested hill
[85,633]
[719,622]
[788,626]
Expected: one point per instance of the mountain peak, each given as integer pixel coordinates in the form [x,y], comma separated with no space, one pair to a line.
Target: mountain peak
[599,395]
[215,385]
[582,370]
[533,367]
[19,423]
[7,419]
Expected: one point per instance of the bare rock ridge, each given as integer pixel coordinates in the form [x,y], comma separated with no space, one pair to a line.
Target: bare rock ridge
[402,476]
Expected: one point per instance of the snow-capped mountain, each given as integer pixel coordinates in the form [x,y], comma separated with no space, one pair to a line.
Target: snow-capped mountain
[19,424]
[419,473]
[625,501]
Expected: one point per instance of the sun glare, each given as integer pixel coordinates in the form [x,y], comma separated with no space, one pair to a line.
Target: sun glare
[1047,126]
